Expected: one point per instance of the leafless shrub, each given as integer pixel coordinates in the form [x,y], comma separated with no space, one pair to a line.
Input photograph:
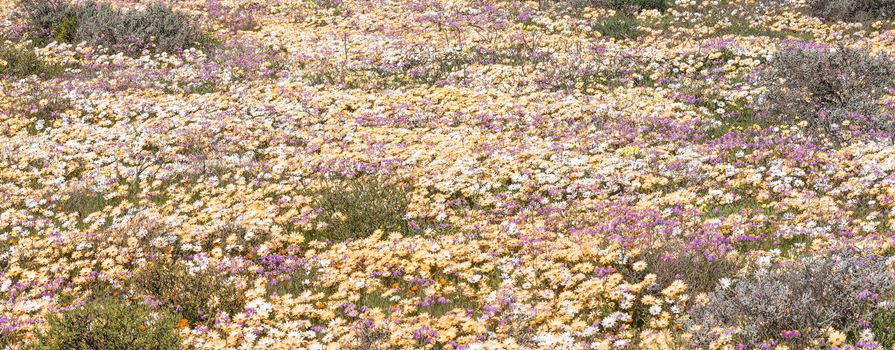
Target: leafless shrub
[827,89]
[807,295]
[371,337]
[677,263]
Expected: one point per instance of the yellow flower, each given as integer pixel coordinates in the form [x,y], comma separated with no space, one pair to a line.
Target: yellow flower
[640,266]
[835,337]
[183,323]
[674,289]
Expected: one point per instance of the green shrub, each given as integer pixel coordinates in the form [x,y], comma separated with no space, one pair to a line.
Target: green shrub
[155,26]
[107,324]
[883,326]
[638,5]
[620,26]
[852,10]
[198,297]
[627,6]
[64,30]
[353,208]
[18,61]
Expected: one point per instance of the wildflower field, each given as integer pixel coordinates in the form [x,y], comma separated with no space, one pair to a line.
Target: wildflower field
[451,174]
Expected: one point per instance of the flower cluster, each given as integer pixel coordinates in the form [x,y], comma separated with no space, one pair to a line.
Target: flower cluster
[451,174]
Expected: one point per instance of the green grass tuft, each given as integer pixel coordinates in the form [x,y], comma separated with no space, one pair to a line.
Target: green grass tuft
[619,26]
[356,207]
[22,62]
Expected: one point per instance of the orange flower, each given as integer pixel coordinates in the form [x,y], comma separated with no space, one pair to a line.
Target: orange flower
[249,256]
[183,323]
[319,305]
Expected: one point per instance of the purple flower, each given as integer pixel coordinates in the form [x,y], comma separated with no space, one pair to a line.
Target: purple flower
[791,334]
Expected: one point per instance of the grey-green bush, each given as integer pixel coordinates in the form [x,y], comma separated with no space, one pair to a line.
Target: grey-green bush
[852,10]
[155,26]
[807,295]
[106,324]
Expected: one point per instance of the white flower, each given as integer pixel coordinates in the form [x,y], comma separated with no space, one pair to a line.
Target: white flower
[655,310]
[589,331]
[725,283]
[294,335]
[30,306]
[474,278]
[608,322]
[262,306]
[549,339]
[250,337]
[621,343]
[512,229]
[764,261]
[266,342]
[867,335]
[576,161]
